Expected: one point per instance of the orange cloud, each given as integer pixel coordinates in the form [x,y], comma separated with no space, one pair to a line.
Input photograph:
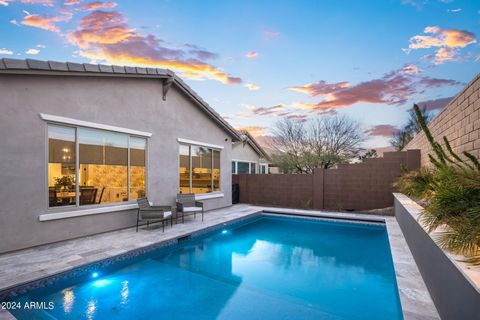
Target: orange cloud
[254,130]
[251,54]
[42,21]
[447,41]
[97,5]
[71,2]
[105,36]
[445,54]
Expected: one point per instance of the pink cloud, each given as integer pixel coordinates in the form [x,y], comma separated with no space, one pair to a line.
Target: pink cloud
[106,37]
[251,54]
[71,2]
[45,22]
[320,88]
[382,130]
[394,88]
[97,5]
[437,104]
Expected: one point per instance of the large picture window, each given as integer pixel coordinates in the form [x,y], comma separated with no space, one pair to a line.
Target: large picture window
[109,168]
[199,169]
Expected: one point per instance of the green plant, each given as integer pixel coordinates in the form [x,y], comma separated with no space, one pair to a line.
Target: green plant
[65,181]
[416,184]
[454,197]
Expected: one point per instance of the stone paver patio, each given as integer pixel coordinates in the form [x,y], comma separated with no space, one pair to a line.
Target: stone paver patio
[34,263]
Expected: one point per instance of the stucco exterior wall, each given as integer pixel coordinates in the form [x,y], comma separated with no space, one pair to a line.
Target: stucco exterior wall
[241,151]
[122,102]
[459,121]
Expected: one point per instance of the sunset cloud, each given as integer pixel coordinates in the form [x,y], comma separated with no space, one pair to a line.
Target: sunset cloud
[32,51]
[394,88]
[437,104]
[250,86]
[45,22]
[257,111]
[71,2]
[447,42]
[411,69]
[382,130]
[4,2]
[445,54]
[254,130]
[320,88]
[251,54]
[97,5]
[106,37]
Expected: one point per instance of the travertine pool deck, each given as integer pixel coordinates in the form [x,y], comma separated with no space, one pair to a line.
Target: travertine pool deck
[30,264]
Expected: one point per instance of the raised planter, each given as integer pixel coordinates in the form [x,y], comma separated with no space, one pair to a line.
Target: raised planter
[453,285]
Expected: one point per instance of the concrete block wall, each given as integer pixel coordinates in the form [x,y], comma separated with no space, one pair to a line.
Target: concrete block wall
[361,186]
[459,121]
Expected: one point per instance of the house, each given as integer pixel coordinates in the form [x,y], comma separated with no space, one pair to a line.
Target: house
[81,142]
[248,156]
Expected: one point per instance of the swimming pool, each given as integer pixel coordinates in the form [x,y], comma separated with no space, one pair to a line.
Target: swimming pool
[264,268]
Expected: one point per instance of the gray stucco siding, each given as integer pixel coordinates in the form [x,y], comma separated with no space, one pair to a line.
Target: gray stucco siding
[245,152]
[123,102]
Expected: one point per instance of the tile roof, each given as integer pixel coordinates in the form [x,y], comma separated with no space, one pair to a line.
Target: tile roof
[40,67]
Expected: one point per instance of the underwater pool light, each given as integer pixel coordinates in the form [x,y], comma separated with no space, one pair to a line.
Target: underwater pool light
[224,232]
[95,274]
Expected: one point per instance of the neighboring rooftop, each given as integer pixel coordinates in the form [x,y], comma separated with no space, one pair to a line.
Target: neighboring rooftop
[40,67]
[254,144]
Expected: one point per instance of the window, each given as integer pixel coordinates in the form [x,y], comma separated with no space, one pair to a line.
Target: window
[199,169]
[138,173]
[110,166]
[264,168]
[184,170]
[61,166]
[243,167]
[248,167]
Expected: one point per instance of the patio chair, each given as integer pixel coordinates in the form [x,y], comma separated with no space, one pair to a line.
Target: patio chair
[187,205]
[88,195]
[148,213]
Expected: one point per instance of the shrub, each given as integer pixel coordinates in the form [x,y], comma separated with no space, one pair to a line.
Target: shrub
[452,191]
[416,184]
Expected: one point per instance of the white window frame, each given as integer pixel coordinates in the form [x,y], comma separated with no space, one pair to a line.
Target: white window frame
[265,165]
[250,162]
[212,147]
[90,207]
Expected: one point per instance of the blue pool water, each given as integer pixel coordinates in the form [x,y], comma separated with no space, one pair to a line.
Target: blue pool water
[271,268]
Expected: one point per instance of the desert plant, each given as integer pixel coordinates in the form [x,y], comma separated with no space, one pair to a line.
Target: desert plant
[454,200]
[416,184]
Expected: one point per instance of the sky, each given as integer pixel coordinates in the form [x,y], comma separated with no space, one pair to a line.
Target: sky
[256,62]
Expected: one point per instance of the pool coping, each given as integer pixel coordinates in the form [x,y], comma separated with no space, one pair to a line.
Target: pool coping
[415,299]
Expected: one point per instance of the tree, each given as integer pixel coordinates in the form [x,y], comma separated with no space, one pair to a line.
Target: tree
[321,143]
[369,154]
[402,137]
